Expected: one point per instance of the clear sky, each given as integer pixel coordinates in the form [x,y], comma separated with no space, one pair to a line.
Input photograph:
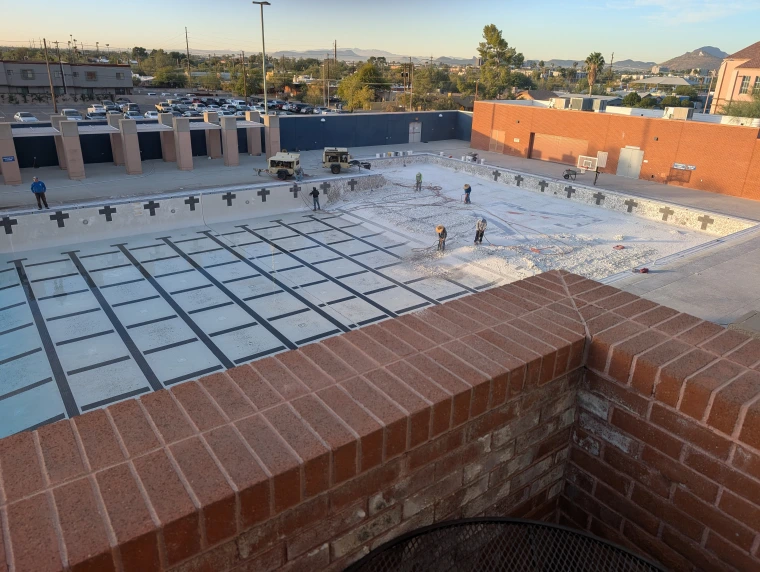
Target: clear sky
[649,30]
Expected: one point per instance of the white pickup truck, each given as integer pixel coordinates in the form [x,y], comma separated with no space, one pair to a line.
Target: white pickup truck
[96,108]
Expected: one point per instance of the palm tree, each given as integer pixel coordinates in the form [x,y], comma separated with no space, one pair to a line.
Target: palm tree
[594,65]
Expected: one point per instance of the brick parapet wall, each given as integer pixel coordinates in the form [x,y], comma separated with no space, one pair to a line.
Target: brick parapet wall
[311,458]
[665,453]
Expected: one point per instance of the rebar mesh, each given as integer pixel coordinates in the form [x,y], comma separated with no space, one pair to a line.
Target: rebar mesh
[503,545]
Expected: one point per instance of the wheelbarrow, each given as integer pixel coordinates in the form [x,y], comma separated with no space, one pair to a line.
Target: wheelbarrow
[569,174]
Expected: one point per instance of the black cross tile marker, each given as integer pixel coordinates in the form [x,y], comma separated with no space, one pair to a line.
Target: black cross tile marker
[107,211]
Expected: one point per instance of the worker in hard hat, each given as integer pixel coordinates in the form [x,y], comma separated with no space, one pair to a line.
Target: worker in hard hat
[480,230]
[441,230]
[467,191]
[418,182]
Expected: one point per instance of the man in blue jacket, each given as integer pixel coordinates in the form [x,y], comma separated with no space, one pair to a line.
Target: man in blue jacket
[39,189]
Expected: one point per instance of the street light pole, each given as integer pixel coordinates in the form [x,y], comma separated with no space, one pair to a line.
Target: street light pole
[263,54]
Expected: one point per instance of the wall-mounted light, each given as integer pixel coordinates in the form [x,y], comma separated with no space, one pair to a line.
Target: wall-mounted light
[440,115]
[322,120]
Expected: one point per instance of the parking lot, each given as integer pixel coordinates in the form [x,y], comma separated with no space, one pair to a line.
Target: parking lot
[148,103]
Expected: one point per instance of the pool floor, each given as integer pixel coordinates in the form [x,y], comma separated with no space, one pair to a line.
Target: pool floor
[87,325]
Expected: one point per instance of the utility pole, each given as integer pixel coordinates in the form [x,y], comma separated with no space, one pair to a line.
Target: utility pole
[97,50]
[245,81]
[50,77]
[60,63]
[411,84]
[263,53]
[612,60]
[187,47]
[335,52]
[327,78]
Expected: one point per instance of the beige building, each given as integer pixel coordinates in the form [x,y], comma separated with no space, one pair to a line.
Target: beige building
[24,77]
[738,77]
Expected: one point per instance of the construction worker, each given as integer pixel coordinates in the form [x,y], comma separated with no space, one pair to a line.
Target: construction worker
[441,230]
[418,182]
[315,195]
[467,191]
[480,230]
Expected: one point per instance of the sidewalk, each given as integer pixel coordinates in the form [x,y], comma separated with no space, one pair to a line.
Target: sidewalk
[104,180]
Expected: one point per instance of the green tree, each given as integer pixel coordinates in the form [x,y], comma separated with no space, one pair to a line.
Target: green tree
[139,53]
[671,101]
[251,85]
[497,57]
[370,76]
[687,90]
[314,94]
[631,100]
[355,93]
[687,103]
[211,81]
[594,67]
[168,77]
[647,102]
[743,108]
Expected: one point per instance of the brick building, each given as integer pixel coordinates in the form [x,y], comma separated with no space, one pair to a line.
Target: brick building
[712,157]
[738,77]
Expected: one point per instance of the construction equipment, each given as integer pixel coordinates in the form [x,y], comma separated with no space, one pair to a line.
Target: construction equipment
[284,164]
[336,158]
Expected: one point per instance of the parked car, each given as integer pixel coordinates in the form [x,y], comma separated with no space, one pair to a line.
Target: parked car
[151,115]
[132,115]
[123,100]
[24,117]
[71,114]
[191,113]
[318,110]
[98,116]
[113,112]
[175,113]
[307,109]
[96,108]
[164,94]
[259,108]
[151,93]
[107,102]
[163,107]
[212,107]
[240,113]
[222,112]
[129,107]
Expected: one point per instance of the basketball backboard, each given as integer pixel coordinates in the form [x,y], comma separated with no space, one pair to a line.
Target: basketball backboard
[586,163]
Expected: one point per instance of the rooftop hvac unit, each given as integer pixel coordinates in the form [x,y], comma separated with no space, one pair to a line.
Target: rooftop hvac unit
[560,102]
[682,113]
[599,105]
[581,103]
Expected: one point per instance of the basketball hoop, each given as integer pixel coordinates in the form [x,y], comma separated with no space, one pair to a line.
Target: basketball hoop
[586,163]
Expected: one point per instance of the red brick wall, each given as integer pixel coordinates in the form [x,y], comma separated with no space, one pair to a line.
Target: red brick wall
[726,157]
[308,459]
[666,447]
[482,406]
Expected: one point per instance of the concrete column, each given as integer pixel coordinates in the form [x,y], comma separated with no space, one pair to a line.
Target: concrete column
[229,136]
[253,134]
[131,146]
[72,150]
[117,142]
[272,134]
[55,121]
[213,136]
[168,153]
[182,144]
[9,168]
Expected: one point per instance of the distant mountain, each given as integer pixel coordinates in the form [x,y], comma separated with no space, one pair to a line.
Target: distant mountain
[627,65]
[713,51]
[702,58]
